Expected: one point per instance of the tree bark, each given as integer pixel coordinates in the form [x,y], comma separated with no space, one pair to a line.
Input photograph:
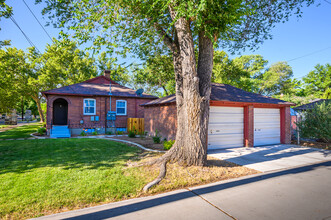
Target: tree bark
[193,88]
[41,114]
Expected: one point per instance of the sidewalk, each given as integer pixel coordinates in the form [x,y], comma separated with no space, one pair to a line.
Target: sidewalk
[297,193]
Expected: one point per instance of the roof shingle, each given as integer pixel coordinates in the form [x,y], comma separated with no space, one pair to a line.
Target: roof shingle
[97,88]
[224,92]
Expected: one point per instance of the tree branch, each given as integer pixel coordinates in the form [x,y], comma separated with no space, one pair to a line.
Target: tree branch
[166,38]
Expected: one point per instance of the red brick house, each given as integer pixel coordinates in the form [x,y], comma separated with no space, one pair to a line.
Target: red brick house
[85,106]
[237,118]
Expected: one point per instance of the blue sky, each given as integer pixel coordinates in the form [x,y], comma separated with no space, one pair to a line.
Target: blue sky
[293,39]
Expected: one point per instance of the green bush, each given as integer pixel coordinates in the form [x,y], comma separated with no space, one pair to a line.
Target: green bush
[131,134]
[119,132]
[83,133]
[109,133]
[156,138]
[168,144]
[41,130]
[316,123]
[94,133]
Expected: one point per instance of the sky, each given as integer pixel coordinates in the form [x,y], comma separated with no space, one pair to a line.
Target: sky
[303,42]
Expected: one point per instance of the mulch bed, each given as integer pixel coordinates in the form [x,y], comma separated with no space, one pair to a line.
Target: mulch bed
[315,144]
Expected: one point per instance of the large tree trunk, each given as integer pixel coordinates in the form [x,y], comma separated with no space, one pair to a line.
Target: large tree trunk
[193,87]
[40,111]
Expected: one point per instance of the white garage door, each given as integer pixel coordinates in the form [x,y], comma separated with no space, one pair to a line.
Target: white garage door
[266,126]
[226,127]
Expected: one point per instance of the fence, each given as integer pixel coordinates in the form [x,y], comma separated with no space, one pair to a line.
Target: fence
[136,124]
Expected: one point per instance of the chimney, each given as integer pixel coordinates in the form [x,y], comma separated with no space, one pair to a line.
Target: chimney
[106,73]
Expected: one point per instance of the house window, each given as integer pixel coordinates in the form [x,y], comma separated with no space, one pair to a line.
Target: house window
[120,107]
[89,107]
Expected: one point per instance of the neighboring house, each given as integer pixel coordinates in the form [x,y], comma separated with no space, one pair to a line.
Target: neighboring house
[237,118]
[85,105]
[303,108]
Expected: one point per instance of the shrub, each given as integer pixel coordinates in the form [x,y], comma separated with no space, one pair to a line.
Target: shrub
[168,144]
[109,133]
[83,133]
[316,123]
[119,132]
[131,134]
[156,139]
[94,133]
[41,130]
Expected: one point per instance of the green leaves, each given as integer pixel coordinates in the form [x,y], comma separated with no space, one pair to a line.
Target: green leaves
[316,123]
[318,81]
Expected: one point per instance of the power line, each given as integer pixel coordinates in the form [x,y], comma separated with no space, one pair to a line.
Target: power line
[37,20]
[309,54]
[26,37]
[327,2]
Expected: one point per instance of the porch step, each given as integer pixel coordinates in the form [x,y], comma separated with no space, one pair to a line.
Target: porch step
[60,132]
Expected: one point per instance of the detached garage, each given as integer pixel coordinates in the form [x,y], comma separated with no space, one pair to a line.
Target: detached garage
[237,118]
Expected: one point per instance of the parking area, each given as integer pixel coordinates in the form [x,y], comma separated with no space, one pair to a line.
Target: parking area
[273,157]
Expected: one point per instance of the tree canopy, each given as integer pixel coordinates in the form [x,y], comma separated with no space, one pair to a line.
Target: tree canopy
[318,82]
[29,73]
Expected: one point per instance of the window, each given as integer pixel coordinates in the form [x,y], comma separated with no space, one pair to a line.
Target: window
[89,107]
[120,107]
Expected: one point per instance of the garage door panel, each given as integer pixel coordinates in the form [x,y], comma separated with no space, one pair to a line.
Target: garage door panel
[225,127]
[266,126]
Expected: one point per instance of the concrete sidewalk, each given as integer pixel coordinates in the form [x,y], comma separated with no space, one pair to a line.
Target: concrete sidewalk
[297,193]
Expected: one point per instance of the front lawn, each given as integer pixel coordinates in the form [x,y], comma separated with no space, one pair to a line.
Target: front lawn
[41,177]
[20,132]
[4,126]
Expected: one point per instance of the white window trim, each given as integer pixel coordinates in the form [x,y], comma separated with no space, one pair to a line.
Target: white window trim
[95,110]
[124,108]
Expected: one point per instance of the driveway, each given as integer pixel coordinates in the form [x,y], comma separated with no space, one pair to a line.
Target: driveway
[297,193]
[271,158]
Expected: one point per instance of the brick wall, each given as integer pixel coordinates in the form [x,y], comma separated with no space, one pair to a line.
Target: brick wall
[75,110]
[249,126]
[163,118]
[285,124]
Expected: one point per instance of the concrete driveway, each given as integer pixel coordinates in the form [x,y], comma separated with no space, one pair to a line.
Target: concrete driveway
[271,158]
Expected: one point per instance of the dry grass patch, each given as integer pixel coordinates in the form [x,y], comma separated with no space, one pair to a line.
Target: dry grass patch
[178,177]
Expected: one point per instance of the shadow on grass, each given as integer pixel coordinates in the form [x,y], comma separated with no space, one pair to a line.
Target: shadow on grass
[25,155]
[154,202]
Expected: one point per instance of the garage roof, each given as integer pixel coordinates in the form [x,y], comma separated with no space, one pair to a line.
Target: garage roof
[224,92]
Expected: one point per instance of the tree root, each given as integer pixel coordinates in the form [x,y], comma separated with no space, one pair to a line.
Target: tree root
[163,171]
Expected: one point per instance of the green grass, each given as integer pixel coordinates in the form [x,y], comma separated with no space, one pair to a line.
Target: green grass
[20,132]
[39,177]
[4,126]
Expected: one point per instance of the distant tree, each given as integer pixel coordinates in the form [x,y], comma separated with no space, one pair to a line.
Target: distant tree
[155,74]
[278,80]
[13,65]
[318,82]
[240,71]
[118,72]
[28,74]
[5,11]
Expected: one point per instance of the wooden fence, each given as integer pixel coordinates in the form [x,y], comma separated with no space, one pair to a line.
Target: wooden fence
[136,124]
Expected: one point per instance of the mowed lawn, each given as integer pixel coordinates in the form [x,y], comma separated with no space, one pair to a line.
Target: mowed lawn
[39,177]
[20,132]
